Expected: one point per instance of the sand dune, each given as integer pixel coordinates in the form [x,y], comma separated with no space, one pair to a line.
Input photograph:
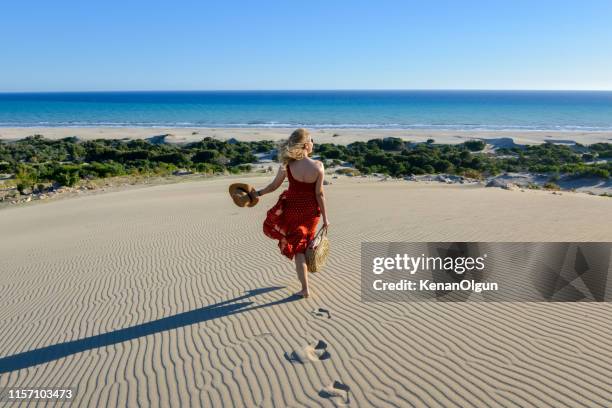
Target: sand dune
[171,296]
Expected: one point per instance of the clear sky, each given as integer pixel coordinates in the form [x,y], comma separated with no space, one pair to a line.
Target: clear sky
[58,45]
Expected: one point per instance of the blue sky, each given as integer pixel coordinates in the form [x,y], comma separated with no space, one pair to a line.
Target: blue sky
[198,45]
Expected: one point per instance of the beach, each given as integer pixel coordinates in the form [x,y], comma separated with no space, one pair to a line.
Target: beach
[342,136]
[170,295]
[459,157]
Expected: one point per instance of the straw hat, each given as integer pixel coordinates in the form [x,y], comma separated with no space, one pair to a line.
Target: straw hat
[243,194]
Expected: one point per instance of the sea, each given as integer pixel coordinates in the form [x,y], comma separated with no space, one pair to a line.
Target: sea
[401,109]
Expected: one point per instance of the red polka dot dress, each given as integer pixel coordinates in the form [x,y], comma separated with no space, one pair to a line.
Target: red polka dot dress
[294,218]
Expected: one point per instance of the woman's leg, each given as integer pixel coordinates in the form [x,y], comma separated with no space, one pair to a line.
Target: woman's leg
[302,272]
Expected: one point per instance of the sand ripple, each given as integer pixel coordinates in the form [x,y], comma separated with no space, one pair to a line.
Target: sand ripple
[171,296]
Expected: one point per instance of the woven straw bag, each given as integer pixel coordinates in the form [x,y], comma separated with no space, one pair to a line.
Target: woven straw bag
[317,251]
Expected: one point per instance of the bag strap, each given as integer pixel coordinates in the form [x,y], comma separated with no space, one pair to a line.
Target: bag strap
[322,230]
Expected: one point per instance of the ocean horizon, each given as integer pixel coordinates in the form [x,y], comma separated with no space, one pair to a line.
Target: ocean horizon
[511,110]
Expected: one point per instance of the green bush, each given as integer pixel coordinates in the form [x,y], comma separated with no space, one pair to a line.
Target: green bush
[37,159]
[164,169]
[5,167]
[240,168]
[25,177]
[134,155]
[475,145]
[242,158]
[392,143]
[329,151]
[176,158]
[551,186]
[205,156]
[471,173]
[588,157]
[102,170]
[66,174]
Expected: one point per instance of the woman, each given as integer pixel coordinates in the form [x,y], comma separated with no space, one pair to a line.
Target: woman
[294,218]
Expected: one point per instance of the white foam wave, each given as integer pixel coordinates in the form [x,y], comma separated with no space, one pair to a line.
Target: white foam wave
[394,126]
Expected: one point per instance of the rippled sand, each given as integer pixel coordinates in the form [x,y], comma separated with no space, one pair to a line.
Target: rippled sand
[172,296]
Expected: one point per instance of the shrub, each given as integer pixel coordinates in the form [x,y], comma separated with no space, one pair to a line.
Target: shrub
[5,167]
[345,171]
[242,158]
[205,156]
[376,158]
[164,169]
[208,168]
[465,156]
[471,173]
[588,157]
[375,144]
[176,158]
[66,174]
[101,170]
[443,166]
[134,155]
[551,186]
[475,145]
[328,151]
[25,177]
[606,154]
[392,143]
[596,172]
[239,169]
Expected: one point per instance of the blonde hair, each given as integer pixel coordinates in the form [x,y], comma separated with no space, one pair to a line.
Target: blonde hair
[293,148]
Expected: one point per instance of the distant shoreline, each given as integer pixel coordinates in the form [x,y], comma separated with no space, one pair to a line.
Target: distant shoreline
[328,135]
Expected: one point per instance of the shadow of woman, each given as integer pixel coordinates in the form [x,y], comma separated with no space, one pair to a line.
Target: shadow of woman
[225,308]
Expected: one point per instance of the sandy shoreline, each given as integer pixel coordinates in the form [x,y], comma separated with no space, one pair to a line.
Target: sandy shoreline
[170,295]
[344,136]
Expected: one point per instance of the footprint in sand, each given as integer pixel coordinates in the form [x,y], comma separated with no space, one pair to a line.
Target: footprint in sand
[338,392]
[309,354]
[321,313]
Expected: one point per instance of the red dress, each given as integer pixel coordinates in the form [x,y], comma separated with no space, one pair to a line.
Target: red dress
[294,218]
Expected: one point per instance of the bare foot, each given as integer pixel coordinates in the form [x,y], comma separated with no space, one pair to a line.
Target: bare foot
[302,293]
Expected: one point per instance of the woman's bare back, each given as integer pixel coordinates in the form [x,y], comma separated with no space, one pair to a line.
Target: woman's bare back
[305,170]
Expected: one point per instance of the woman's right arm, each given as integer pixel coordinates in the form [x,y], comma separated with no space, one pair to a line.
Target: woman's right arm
[321,194]
[276,183]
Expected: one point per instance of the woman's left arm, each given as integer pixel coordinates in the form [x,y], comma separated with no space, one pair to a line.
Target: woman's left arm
[276,183]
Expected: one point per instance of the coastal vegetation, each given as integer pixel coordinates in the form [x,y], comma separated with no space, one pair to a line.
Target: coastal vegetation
[395,157]
[35,162]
